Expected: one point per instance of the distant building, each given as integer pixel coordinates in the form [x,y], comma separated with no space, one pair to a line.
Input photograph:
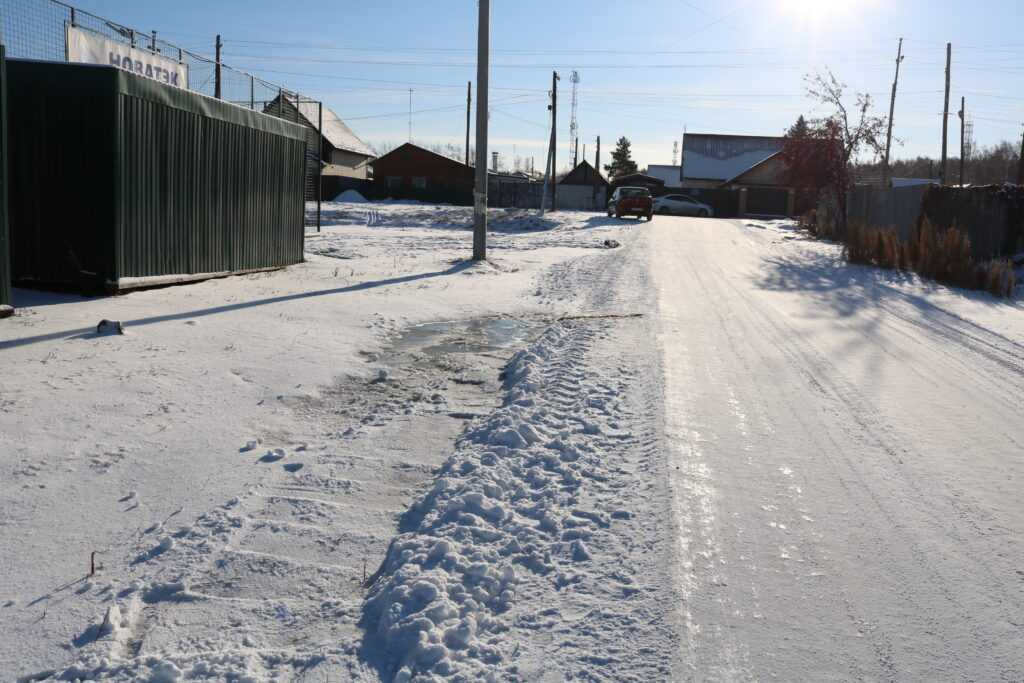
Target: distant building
[583,189]
[342,153]
[412,172]
[655,185]
[725,161]
[585,175]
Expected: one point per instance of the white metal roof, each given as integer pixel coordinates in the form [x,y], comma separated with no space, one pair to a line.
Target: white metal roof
[335,131]
[723,157]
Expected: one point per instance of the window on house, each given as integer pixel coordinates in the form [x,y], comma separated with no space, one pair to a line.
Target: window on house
[419,183]
[394,182]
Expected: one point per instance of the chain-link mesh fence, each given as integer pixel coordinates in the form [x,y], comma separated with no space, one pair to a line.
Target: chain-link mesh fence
[37,29]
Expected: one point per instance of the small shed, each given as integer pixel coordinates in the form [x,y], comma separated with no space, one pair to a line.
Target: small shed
[586,175]
[118,181]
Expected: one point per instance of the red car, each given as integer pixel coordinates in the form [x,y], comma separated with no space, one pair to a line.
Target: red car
[631,201]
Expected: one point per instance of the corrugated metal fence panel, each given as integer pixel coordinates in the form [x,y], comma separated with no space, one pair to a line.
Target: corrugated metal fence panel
[203,195]
[60,173]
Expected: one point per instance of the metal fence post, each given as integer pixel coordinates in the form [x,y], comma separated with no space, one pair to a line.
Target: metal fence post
[319,161]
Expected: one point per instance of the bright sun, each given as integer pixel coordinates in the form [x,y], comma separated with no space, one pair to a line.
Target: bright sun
[817,12]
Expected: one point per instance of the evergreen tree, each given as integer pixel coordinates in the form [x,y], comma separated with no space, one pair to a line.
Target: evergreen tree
[798,130]
[622,160]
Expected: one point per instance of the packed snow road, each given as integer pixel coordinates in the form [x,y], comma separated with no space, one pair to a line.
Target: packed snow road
[715,453]
[847,450]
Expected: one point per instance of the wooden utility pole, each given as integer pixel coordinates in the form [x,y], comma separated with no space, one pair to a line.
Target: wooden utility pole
[469,106]
[483,52]
[945,118]
[963,120]
[554,140]
[892,112]
[216,73]
[576,154]
[1020,163]
[597,159]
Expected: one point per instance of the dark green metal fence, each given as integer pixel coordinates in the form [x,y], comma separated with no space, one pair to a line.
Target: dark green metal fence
[36,29]
[152,183]
[6,299]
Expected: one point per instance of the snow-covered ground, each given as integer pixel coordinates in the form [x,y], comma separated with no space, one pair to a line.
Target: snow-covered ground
[714,453]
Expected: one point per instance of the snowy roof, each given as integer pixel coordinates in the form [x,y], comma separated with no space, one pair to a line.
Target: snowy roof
[723,157]
[335,131]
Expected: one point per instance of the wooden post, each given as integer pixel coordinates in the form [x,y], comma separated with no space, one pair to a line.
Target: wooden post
[963,120]
[216,84]
[892,112]
[945,118]
[469,107]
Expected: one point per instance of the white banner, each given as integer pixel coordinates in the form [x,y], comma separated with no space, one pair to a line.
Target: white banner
[87,47]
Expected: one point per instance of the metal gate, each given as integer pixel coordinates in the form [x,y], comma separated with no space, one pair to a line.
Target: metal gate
[767,201]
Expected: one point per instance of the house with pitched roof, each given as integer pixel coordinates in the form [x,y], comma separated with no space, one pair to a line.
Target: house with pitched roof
[342,153]
[713,161]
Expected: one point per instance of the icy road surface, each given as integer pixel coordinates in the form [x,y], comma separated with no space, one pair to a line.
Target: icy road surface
[715,453]
[847,449]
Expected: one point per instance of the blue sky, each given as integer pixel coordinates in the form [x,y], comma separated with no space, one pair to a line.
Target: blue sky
[647,67]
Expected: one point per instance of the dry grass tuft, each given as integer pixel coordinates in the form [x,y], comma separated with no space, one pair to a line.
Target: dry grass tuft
[942,255]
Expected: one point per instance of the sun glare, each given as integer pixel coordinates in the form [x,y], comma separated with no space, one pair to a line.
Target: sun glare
[816,12]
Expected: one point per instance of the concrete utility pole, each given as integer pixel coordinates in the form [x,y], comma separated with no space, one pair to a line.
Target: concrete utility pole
[469,106]
[216,73]
[945,117]
[554,140]
[963,120]
[547,168]
[892,112]
[483,53]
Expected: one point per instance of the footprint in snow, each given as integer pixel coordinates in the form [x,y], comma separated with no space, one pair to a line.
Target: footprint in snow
[293,467]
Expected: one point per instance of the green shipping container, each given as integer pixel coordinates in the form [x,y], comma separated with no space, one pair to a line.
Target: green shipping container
[117,181]
[6,300]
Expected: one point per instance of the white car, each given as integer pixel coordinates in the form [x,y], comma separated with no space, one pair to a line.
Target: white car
[681,205]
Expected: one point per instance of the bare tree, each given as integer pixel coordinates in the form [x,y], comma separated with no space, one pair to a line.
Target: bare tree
[843,136]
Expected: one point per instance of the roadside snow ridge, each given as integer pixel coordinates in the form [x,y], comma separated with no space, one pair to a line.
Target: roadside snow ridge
[501,506]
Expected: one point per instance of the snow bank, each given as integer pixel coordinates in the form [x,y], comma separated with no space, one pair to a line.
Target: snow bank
[499,508]
[351,197]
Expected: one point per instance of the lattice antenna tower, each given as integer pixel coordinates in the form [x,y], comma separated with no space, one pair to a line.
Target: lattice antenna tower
[574,129]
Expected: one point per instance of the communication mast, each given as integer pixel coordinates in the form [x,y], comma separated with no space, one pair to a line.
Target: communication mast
[574,131]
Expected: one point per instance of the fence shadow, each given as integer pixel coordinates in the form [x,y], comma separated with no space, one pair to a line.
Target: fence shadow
[89,332]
